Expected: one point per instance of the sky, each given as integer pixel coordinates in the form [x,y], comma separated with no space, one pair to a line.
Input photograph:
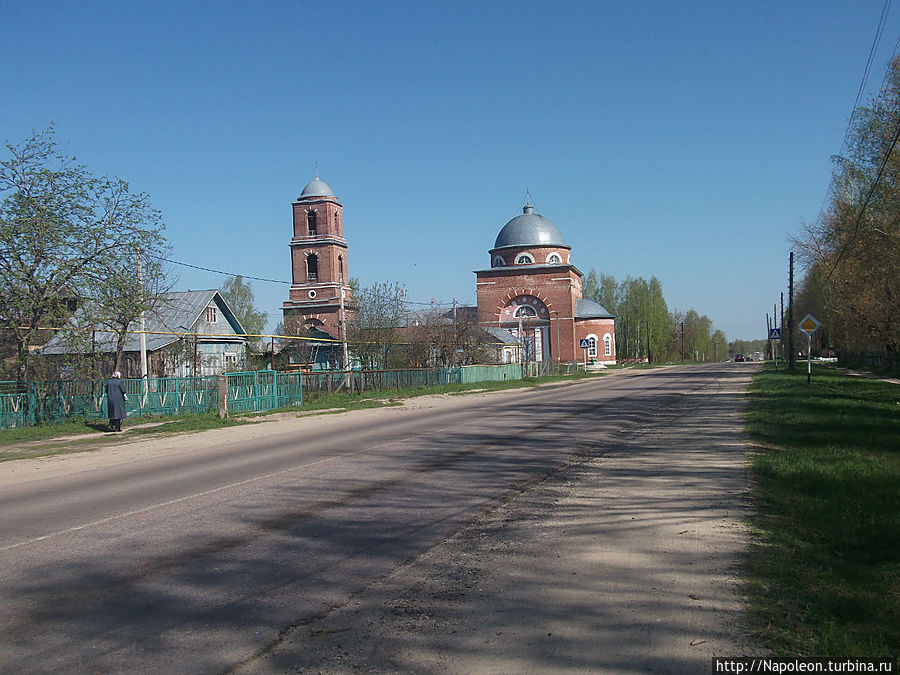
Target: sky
[683,140]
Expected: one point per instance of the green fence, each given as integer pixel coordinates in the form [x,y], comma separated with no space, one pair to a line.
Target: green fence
[48,402]
[882,362]
[263,390]
[43,402]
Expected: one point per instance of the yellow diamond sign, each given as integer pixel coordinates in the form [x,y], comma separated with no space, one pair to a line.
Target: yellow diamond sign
[809,324]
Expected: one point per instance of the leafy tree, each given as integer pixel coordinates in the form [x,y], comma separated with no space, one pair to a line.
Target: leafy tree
[852,253]
[68,239]
[240,298]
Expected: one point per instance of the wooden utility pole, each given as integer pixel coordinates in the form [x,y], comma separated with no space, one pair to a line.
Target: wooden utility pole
[793,355]
[347,379]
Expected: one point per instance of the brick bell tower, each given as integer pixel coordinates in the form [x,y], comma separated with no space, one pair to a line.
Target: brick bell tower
[318,263]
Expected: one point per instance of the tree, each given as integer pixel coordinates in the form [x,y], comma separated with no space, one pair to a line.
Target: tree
[68,239]
[374,332]
[240,298]
[852,253]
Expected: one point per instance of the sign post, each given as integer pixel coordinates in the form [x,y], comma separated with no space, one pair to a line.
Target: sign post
[775,335]
[584,343]
[809,325]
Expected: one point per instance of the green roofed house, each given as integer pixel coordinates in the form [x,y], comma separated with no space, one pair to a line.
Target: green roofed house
[188,333]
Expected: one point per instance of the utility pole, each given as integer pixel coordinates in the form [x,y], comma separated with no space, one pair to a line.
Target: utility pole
[140,277]
[793,355]
[782,325]
[682,342]
[344,333]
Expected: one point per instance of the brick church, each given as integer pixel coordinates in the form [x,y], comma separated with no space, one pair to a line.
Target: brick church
[533,291]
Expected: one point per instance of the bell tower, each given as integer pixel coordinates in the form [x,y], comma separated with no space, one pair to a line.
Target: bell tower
[319,268]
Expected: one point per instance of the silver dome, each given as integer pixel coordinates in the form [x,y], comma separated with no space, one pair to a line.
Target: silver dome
[530,229]
[317,188]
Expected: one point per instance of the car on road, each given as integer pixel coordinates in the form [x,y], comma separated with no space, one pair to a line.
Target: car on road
[738,358]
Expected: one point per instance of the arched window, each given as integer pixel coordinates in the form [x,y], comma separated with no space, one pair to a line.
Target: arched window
[592,346]
[498,261]
[607,344]
[312,267]
[554,259]
[311,222]
[524,311]
[524,259]
[341,274]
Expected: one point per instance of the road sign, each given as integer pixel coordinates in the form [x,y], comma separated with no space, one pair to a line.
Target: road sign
[809,324]
[584,343]
[774,333]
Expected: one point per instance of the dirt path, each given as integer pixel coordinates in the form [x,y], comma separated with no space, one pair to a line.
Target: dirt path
[623,562]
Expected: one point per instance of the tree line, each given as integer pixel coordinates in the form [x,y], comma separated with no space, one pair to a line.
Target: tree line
[851,253]
[646,330]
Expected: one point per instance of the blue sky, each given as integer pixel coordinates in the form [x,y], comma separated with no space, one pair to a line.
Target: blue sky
[685,140]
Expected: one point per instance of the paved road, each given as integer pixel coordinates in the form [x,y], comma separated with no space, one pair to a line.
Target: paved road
[333,543]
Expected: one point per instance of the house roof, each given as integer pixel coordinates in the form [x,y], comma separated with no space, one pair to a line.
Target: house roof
[501,335]
[588,309]
[172,315]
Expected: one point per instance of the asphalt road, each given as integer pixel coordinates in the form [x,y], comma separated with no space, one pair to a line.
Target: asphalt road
[251,548]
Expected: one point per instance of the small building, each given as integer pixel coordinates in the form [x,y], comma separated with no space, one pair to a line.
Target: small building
[187,333]
[534,292]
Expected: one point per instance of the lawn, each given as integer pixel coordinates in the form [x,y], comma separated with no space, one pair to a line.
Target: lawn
[823,572]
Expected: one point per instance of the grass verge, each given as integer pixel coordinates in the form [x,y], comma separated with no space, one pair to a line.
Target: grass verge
[823,573]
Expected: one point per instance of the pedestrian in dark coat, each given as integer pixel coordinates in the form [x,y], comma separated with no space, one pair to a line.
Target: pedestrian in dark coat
[115,401]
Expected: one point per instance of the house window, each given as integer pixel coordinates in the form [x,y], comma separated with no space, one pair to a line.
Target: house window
[212,315]
[312,267]
[524,311]
[524,259]
[311,222]
[607,344]
[554,259]
[498,262]
[231,361]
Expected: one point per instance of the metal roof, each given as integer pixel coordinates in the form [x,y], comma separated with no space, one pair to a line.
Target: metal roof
[316,188]
[174,312]
[530,229]
[588,309]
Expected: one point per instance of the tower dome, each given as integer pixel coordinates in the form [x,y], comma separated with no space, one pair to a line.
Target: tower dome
[530,229]
[317,188]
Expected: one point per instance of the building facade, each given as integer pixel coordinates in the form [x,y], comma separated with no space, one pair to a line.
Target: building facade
[319,266]
[533,291]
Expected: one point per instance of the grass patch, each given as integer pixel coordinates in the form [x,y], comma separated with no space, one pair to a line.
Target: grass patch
[823,573]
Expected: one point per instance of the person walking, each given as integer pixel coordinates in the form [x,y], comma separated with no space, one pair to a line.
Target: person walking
[115,401]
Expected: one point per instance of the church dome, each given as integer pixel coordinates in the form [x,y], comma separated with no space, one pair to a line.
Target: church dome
[317,188]
[530,229]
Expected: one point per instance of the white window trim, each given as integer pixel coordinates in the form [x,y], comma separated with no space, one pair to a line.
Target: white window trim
[607,344]
[212,314]
[528,257]
[498,261]
[558,257]
[592,345]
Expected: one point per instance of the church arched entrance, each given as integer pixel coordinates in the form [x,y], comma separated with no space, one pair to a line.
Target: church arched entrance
[527,318]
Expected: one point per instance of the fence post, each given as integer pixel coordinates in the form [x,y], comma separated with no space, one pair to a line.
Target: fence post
[275,385]
[223,396]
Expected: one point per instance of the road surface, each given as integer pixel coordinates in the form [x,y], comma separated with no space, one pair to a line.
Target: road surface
[593,526]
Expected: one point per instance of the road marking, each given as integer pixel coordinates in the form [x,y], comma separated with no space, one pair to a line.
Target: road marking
[128,514]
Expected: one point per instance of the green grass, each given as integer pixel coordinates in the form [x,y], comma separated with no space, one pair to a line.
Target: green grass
[823,573]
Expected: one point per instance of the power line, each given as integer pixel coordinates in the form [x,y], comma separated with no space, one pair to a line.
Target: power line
[879,31]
